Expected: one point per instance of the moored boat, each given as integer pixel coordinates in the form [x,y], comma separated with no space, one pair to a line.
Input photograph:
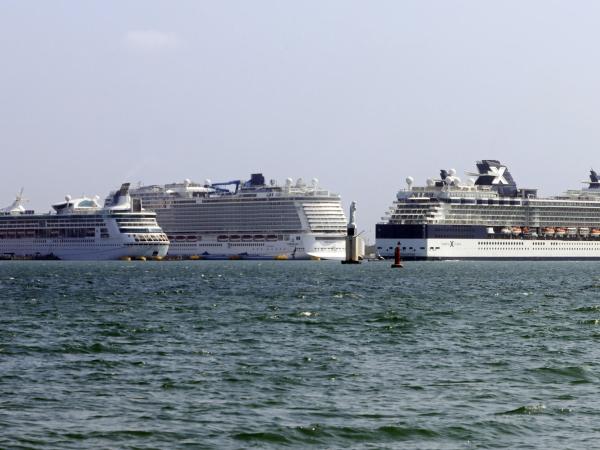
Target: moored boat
[490,217]
[253,219]
[81,229]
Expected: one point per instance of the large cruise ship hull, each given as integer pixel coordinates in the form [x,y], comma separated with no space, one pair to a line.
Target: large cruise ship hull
[298,247]
[425,242]
[87,250]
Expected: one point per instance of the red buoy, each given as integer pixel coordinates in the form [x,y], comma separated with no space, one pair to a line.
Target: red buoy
[397,261]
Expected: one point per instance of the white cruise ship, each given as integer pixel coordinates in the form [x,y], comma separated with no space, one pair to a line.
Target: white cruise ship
[490,218]
[248,220]
[81,229]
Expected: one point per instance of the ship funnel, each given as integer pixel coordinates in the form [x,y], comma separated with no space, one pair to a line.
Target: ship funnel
[594,181]
[496,175]
[121,199]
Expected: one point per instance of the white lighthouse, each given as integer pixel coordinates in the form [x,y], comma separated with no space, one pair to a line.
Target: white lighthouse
[353,242]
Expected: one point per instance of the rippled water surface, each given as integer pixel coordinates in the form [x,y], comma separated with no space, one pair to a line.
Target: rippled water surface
[242,354]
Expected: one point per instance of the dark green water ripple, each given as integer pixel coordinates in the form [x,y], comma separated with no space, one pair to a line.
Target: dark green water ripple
[300,354]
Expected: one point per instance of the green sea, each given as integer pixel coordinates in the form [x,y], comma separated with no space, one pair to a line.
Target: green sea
[313,354]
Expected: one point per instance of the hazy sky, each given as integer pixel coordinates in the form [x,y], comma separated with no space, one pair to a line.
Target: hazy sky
[359,94]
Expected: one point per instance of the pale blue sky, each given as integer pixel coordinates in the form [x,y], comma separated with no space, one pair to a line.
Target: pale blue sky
[358,94]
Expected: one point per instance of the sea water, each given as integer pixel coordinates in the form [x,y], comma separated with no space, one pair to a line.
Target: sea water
[243,354]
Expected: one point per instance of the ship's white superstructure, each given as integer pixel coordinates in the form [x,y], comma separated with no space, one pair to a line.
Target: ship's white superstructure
[249,220]
[489,217]
[82,229]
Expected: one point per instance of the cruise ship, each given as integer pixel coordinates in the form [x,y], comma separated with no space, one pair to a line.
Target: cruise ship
[489,217]
[248,220]
[81,229]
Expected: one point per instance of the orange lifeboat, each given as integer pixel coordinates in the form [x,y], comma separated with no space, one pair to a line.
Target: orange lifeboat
[548,231]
